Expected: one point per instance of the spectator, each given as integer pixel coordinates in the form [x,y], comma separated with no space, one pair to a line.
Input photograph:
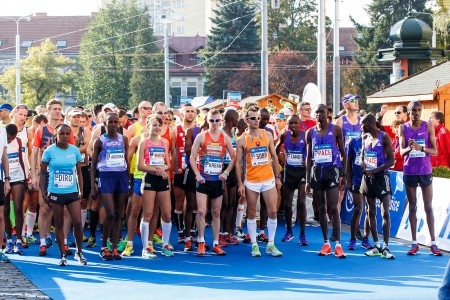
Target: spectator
[442,140]
[401,113]
[280,120]
[123,119]
[5,111]
[270,107]
[304,110]
[398,158]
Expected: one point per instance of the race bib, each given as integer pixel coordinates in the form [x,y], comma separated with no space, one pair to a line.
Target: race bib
[358,160]
[213,165]
[349,135]
[370,160]
[227,155]
[14,162]
[115,157]
[294,157]
[259,156]
[183,159]
[323,153]
[63,178]
[156,156]
[417,153]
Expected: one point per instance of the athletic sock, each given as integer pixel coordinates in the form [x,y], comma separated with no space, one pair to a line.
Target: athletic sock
[239,215]
[130,243]
[378,244]
[414,242]
[433,243]
[251,227]
[93,222]
[271,228]
[215,243]
[83,218]
[166,228]
[43,242]
[30,220]
[65,241]
[338,243]
[144,233]
[201,239]
[179,221]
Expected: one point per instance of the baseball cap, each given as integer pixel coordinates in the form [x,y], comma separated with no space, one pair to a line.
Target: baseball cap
[287,104]
[287,111]
[31,113]
[349,97]
[75,112]
[110,106]
[280,116]
[6,106]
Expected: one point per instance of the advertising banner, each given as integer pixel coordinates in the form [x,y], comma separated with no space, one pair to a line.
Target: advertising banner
[234,98]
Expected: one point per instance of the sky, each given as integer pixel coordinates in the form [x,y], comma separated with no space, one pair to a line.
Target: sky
[85,7]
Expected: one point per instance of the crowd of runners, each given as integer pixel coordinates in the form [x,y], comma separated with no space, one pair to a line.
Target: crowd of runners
[144,170]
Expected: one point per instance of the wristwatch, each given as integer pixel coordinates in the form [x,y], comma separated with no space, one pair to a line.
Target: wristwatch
[8,178]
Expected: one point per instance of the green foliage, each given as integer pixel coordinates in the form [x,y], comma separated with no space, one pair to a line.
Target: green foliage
[117,57]
[231,18]
[442,172]
[41,77]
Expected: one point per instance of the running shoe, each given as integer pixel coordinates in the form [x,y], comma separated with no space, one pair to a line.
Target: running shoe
[435,250]
[42,250]
[171,248]
[387,253]
[222,241]
[122,245]
[326,250]
[302,240]
[67,249]
[414,249]
[32,240]
[262,238]
[9,248]
[352,244]
[63,261]
[116,255]
[156,239]
[18,248]
[359,236]
[332,236]
[374,251]
[272,250]
[71,243]
[105,254]
[91,242]
[207,248]
[48,241]
[188,246]
[24,244]
[109,244]
[366,244]
[150,246]
[201,249]
[128,250]
[85,239]
[158,232]
[147,253]
[231,239]
[80,258]
[166,251]
[255,251]
[218,250]
[247,239]
[4,258]
[239,234]
[180,238]
[287,236]
[338,252]
[312,223]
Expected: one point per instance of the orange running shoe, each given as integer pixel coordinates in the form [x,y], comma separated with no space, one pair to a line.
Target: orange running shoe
[326,250]
[188,246]
[338,252]
[201,249]
[222,241]
[158,231]
[218,250]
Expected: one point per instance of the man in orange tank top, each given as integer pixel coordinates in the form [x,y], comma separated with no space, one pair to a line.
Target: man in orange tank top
[257,160]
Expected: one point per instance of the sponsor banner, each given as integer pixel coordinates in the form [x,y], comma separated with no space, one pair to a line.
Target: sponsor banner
[234,98]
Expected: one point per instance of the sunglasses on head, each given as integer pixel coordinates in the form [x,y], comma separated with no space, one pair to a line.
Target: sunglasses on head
[254,118]
[146,108]
[214,120]
[21,106]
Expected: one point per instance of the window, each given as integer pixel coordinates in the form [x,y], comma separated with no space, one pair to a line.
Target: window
[197,59]
[26,44]
[341,48]
[176,91]
[172,59]
[179,29]
[61,44]
[1,43]
[192,92]
[178,3]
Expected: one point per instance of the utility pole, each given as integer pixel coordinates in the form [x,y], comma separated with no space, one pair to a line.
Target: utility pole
[264,52]
[321,52]
[336,62]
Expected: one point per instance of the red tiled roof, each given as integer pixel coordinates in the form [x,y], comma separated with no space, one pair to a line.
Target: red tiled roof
[346,36]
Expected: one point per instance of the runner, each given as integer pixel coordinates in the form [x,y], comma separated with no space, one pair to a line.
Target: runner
[109,159]
[211,145]
[5,186]
[153,159]
[417,142]
[378,157]
[62,161]
[322,143]
[293,161]
[257,150]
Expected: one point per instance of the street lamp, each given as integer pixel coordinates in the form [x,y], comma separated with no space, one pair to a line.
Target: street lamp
[23,18]
[166,60]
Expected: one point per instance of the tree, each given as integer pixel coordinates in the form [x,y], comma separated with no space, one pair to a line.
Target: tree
[42,75]
[117,62]
[233,42]
[246,80]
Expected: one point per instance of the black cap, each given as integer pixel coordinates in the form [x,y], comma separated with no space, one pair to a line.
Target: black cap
[31,113]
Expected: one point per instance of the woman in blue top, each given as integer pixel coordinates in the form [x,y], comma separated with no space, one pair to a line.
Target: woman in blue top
[64,163]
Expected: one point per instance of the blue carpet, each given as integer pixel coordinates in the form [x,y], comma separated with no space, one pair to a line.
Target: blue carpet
[299,274]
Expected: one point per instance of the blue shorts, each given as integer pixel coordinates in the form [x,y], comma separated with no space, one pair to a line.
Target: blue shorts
[113,182]
[137,187]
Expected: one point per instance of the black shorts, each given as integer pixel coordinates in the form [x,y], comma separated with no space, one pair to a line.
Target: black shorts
[178,180]
[155,183]
[324,178]
[376,185]
[63,199]
[341,172]
[232,179]
[86,172]
[2,193]
[17,183]
[355,189]
[293,177]
[416,180]
[213,189]
[189,182]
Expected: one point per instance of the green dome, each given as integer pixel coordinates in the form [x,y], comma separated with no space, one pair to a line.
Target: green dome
[411,32]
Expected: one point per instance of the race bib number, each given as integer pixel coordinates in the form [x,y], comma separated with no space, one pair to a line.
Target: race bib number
[63,178]
[323,153]
[294,157]
[115,157]
[213,165]
[14,162]
[157,156]
[259,156]
[370,160]
[358,160]
[417,153]
[227,155]
[349,135]
[183,159]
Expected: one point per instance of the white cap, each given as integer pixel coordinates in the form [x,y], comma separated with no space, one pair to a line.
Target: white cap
[287,111]
[75,112]
[111,106]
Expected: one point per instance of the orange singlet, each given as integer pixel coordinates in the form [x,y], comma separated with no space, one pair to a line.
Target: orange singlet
[257,161]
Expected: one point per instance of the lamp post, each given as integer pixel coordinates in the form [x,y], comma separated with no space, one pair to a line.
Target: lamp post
[166,60]
[433,39]
[25,18]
